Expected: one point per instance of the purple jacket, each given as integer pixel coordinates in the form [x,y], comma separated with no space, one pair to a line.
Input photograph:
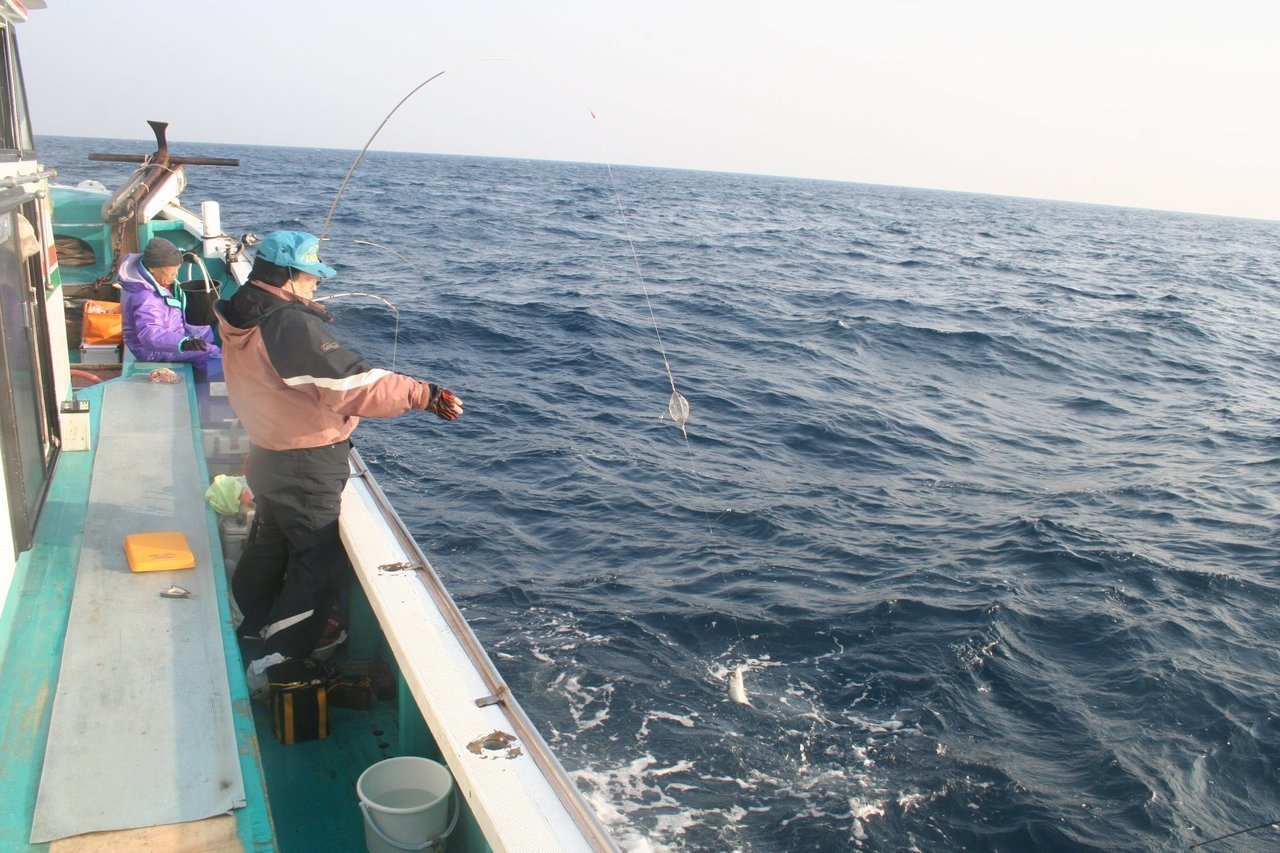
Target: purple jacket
[152,318]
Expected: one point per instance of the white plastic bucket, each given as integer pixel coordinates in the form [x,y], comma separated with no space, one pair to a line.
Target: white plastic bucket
[405,802]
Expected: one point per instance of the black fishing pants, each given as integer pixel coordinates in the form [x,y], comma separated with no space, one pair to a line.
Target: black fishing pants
[294,566]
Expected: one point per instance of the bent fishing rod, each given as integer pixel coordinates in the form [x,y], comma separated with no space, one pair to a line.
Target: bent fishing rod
[677,404]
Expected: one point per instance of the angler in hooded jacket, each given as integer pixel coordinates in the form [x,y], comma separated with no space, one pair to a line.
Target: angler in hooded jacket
[300,394]
[152,309]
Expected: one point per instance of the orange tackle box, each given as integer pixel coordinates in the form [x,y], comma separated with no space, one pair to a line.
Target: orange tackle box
[158,552]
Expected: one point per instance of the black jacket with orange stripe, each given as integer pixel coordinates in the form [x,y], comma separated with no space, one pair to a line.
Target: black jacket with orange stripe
[291,382]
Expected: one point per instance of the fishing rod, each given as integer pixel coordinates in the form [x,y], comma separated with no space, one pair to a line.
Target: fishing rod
[360,157]
[677,404]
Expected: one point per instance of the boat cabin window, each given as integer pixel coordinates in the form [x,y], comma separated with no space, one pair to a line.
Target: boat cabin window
[16,139]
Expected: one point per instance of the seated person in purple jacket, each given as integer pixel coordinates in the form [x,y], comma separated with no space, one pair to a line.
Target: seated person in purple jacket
[151,308]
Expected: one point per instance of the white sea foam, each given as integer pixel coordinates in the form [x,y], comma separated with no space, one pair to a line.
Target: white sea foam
[862,811]
[589,706]
[686,720]
[828,777]
[733,780]
[678,767]
[882,726]
[619,794]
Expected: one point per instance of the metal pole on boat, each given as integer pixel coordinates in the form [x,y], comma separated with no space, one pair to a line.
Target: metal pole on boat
[184,161]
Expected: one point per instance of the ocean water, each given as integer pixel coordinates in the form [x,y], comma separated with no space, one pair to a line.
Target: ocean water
[981,491]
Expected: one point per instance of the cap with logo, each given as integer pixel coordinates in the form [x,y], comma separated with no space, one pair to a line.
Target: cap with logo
[297,250]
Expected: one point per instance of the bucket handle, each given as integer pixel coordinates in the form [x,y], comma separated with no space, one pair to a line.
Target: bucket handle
[432,842]
[209,283]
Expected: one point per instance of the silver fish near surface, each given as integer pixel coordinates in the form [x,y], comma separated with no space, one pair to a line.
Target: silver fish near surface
[738,690]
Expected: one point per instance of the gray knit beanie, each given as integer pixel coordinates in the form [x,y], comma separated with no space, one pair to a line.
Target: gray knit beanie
[161,253]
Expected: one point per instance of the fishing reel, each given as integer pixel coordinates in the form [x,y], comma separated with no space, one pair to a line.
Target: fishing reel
[246,240]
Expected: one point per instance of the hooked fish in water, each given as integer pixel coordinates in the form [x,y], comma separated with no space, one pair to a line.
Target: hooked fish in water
[737,690]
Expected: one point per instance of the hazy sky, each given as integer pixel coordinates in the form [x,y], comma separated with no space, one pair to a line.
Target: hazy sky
[1153,104]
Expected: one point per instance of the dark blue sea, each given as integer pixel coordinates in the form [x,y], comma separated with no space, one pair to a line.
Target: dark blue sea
[980,491]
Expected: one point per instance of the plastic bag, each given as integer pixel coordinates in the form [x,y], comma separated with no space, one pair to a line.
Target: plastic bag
[224,495]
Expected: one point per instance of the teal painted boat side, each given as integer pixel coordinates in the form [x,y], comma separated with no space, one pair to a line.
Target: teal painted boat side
[77,214]
[416,739]
[32,628]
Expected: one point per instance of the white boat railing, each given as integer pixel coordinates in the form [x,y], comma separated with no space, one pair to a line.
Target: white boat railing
[383,571]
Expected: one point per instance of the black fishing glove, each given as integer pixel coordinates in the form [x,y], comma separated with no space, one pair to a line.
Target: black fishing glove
[193,344]
[443,403]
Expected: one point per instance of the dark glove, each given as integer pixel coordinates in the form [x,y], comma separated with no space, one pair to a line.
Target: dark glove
[443,403]
[192,344]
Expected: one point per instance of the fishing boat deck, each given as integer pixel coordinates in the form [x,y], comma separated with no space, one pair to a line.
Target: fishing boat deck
[45,582]
[439,704]
[108,700]
[300,797]
[369,737]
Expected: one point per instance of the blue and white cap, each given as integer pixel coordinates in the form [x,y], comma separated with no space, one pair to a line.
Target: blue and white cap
[296,249]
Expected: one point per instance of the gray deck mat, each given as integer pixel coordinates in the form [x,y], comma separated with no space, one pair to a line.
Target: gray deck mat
[141,732]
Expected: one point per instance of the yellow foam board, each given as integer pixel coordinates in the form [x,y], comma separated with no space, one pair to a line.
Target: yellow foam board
[158,552]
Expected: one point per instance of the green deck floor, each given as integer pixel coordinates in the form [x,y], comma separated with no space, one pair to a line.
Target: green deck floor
[318,778]
[312,785]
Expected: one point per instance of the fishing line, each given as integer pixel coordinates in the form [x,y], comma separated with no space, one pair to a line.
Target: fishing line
[1234,834]
[677,404]
[406,261]
[395,340]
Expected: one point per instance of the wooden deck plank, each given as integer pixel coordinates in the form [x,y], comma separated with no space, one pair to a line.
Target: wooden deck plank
[214,835]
